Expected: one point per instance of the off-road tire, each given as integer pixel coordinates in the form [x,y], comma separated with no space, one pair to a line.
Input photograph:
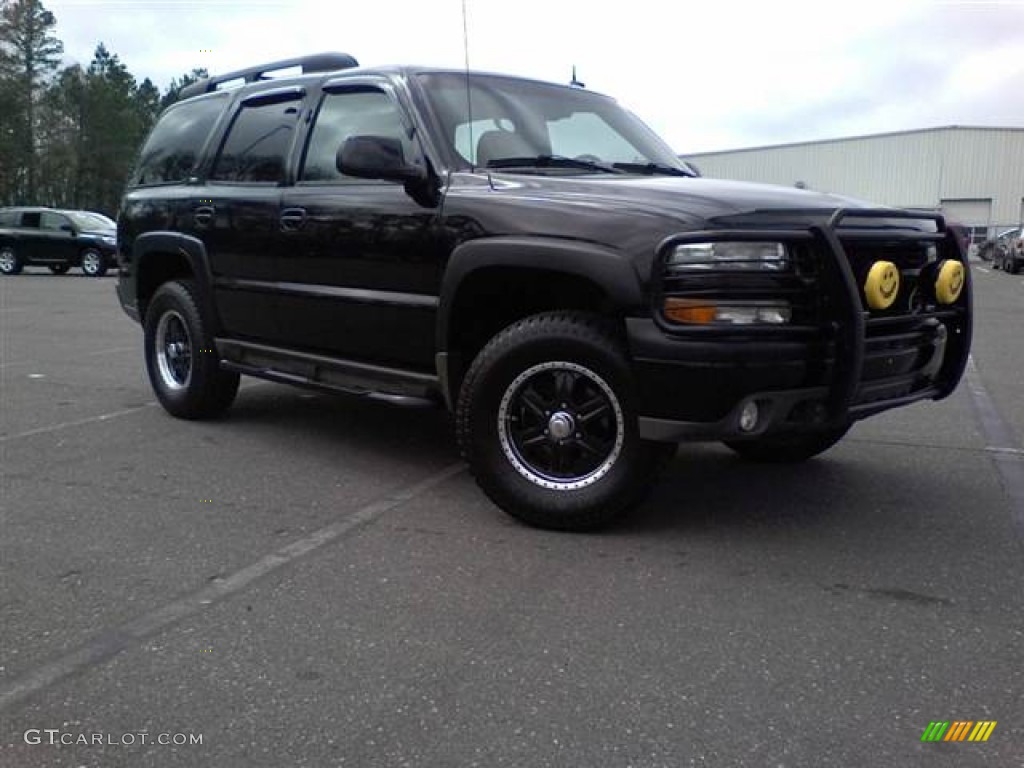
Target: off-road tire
[788,448]
[200,390]
[579,354]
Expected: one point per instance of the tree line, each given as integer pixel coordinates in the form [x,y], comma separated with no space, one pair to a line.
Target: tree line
[68,135]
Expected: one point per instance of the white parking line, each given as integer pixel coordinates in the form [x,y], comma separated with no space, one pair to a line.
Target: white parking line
[1003,447]
[76,423]
[109,351]
[116,640]
[982,269]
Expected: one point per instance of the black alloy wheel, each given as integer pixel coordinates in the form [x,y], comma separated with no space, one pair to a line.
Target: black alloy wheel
[181,360]
[547,420]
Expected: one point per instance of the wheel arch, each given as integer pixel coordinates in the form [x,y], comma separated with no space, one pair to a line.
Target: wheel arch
[162,256]
[491,283]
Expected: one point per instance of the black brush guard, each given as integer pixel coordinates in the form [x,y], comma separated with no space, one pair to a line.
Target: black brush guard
[860,342]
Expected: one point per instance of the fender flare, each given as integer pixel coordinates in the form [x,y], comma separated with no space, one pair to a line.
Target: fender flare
[153,244]
[610,270]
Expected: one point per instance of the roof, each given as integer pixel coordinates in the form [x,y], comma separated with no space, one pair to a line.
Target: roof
[859,138]
[328,65]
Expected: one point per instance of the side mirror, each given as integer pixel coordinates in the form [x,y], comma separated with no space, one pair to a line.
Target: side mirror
[377,157]
[68,228]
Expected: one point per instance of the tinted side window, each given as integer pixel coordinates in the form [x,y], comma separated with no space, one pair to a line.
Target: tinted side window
[172,150]
[8,218]
[257,143]
[350,113]
[48,220]
[30,219]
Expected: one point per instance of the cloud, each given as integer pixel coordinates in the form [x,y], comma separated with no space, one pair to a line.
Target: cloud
[705,75]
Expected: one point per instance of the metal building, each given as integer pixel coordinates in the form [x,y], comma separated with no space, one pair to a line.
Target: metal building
[974,175]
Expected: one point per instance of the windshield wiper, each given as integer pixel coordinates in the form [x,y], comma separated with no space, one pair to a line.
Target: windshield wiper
[552,161]
[653,169]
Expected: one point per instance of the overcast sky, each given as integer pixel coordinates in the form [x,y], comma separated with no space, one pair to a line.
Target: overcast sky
[705,74]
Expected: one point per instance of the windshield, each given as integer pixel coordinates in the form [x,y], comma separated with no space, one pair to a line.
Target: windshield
[90,221]
[522,119]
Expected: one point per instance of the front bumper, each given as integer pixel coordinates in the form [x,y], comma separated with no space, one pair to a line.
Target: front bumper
[694,383]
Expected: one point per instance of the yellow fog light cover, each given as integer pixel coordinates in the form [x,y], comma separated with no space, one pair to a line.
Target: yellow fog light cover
[950,281]
[690,311]
[882,285]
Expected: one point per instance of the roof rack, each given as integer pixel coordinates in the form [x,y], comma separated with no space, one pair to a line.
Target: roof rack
[317,62]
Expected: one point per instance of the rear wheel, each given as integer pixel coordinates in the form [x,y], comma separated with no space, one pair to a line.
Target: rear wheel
[547,421]
[93,263]
[59,269]
[10,264]
[788,448]
[180,358]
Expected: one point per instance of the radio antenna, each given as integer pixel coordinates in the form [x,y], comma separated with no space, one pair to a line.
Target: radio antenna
[469,99]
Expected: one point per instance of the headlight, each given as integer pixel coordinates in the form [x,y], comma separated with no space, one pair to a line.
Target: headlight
[736,255]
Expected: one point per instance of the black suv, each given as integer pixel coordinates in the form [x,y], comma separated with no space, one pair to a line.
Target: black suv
[534,257]
[56,239]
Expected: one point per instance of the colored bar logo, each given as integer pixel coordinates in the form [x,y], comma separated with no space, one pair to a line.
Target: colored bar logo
[958,730]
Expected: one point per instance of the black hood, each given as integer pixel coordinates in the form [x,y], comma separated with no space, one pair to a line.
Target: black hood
[704,198]
[626,213]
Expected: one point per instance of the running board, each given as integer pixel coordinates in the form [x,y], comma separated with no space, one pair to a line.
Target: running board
[303,369]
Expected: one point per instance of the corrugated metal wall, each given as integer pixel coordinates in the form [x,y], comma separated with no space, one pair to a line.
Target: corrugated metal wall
[916,168]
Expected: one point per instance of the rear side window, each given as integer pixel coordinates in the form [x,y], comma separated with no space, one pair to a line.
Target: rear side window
[50,220]
[172,150]
[258,143]
[8,218]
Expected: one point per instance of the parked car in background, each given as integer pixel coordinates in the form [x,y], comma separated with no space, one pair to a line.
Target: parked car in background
[994,248]
[57,239]
[1009,253]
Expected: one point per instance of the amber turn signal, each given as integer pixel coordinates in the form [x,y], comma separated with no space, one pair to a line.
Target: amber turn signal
[692,311]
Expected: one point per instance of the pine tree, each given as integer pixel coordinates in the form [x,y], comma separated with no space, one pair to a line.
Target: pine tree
[174,89]
[30,56]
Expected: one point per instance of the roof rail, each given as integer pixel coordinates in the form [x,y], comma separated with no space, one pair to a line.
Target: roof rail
[317,62]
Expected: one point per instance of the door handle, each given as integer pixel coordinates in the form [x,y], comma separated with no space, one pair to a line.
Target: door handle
[203,215]
[292,219]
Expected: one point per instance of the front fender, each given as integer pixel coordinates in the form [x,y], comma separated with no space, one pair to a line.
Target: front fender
[610,270]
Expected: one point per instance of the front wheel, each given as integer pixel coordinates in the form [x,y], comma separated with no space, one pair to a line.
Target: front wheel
[93,263]
[10,264]
[547,422]
[180,357]
[788,448]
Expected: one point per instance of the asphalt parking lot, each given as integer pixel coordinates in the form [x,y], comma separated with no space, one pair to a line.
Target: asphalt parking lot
[316,581]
